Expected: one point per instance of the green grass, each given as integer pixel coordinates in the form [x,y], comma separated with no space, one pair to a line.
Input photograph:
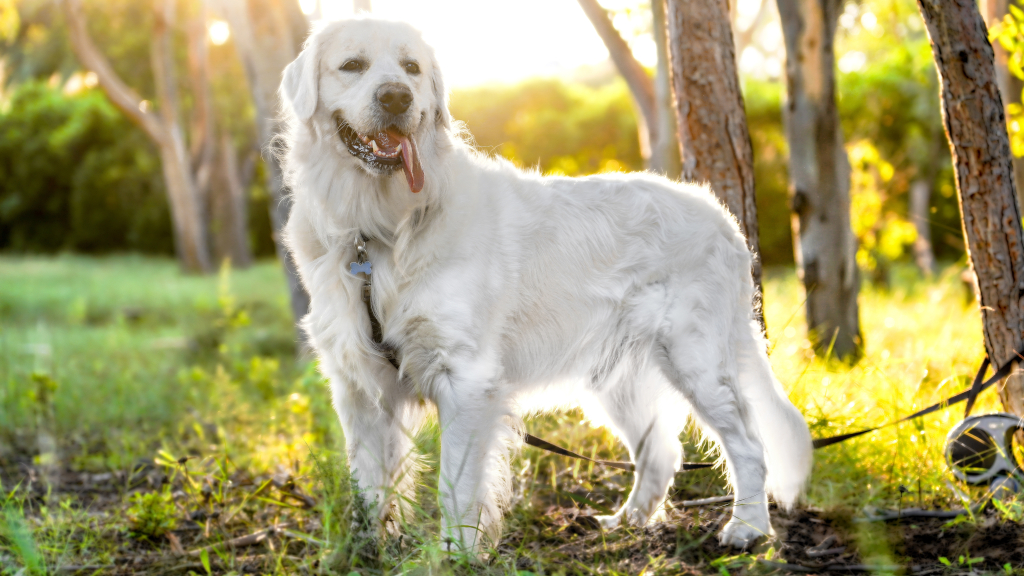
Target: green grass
[180,419]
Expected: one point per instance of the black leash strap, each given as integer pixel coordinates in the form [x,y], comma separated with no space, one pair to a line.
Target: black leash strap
[971,394]
[627,466]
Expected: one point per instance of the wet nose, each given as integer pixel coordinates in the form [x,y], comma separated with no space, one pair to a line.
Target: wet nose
[394,98]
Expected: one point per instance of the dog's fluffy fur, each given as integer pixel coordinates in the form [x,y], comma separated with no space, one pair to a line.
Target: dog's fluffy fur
[509,293]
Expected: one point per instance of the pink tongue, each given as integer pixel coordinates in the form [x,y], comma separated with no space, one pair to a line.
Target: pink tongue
[410,161]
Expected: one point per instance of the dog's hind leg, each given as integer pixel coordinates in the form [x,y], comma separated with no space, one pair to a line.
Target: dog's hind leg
[647,416]
[695,361]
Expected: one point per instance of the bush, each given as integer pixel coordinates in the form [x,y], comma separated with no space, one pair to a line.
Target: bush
[76,175]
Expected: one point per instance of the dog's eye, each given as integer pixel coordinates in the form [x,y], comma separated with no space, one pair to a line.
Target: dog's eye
[353,66]
[412,67]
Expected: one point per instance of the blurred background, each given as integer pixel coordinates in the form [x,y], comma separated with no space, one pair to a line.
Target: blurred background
[532,81]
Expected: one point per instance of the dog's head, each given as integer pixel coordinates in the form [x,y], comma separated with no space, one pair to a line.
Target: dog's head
[374,87]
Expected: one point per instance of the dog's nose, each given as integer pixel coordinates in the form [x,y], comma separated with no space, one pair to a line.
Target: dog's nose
[394,98]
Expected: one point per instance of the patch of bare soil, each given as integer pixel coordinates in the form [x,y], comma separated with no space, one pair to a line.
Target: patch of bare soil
[806,541]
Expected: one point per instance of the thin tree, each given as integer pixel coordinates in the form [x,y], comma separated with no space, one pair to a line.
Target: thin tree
[972,112]
[819,174]
[657,148]
[268,35]
[714,143]
[163,126]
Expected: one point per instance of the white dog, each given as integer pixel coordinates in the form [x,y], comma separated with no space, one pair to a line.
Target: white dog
[505,293]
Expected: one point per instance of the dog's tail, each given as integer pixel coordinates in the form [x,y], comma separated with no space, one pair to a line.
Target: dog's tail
[783,431]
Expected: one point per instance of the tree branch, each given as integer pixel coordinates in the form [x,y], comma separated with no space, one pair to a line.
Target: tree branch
[119,93]
[640,84]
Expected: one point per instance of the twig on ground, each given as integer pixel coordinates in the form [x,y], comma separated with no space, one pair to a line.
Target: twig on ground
[288,488]
[826,552]
[241,541]
[706,501]
[918,513]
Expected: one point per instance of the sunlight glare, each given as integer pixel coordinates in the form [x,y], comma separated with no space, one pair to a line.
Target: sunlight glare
[746,11]
[219,32]
[307,6]
[852,61]
[482,42]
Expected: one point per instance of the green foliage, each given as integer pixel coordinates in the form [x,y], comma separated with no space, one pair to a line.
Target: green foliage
[152,514]
[74,174]
[1010,34]
[14,529]
[559,128]
[763,102]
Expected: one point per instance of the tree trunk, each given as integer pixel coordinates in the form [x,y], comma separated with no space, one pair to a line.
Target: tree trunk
[664,152]
[712,123]
[229,208]
[268,35]
[819,173]
[639,82]
[163,129]
[1010,87]
[972,112]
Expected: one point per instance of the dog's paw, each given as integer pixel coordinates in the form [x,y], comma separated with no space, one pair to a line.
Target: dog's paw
[609,522]
[741,534]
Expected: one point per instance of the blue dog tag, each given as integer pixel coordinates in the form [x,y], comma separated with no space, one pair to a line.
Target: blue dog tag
[356,268]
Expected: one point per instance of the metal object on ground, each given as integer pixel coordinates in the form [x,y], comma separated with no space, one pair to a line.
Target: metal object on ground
[980,450]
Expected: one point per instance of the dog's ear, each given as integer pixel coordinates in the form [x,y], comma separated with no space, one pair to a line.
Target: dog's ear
[441,115]
[299,85]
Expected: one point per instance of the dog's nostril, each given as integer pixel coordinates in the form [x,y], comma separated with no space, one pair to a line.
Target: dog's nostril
[394,98]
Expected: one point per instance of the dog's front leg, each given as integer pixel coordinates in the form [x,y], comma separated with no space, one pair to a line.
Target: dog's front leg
[476,433]
[379,442]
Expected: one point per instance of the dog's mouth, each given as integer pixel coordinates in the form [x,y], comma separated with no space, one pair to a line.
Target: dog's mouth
[384,152]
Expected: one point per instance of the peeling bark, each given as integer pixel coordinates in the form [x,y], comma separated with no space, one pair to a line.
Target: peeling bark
[972,112]
[714,143]
[819,173]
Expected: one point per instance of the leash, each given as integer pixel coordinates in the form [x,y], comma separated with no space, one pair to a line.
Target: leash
[979,385]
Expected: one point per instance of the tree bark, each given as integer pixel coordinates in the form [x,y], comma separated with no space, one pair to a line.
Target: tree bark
[972,112]
[714,143]
[819,173]
[163,129]
[664,152]
[639,82]
[229,208]
[268,35]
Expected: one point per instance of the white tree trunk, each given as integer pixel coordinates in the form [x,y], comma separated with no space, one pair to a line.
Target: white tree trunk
[819,173]
[268,35]
[665,151]
[163,129]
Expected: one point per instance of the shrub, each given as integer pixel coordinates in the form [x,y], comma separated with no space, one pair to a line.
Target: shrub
[75,175]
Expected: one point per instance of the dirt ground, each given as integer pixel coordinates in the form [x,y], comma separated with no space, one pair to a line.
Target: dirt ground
[561,535]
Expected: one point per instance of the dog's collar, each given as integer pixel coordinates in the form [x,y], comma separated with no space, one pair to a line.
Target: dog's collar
[363,266]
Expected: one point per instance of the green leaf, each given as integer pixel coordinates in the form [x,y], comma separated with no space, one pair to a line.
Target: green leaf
[204,557]
[945,561]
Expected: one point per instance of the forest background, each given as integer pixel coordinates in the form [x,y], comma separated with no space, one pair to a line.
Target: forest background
[75,175]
